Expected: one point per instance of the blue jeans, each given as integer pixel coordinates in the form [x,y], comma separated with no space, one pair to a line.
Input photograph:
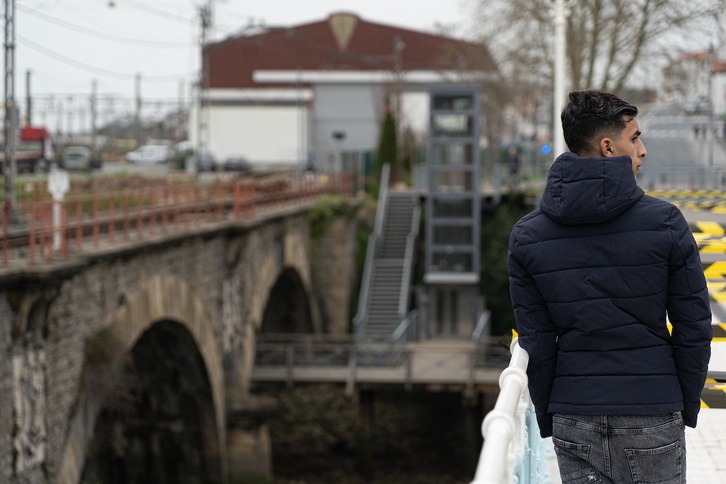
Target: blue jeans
[620,449]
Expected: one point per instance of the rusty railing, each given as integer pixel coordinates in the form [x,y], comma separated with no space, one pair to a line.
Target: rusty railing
[86,221]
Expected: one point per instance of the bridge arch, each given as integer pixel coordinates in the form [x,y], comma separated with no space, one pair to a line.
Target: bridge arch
[289,266]
[157,423]
[160,306]
[288,308]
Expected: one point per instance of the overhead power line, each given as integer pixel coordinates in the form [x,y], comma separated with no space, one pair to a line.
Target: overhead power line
[157,11]
[103,35]
[97,70]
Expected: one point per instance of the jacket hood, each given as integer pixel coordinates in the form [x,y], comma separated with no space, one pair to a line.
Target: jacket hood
[589,190]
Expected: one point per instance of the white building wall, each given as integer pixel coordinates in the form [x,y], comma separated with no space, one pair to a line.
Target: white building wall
[358,110]
[353,109]
[263,134]
[415,111]
[697,73]
[285,126]
[719,94]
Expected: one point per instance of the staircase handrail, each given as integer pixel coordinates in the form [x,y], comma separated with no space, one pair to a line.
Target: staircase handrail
[371,252]
[405,332]
[408,262]
[402,333]
[399,334]
[482,325]
[382,199]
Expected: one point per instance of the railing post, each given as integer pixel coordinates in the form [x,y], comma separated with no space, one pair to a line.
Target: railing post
[95,222]
[472,371]
[66,231]
[236,199]
[31,230]
[79,226]
[112,220]
[408,384]
[125,209]
[152,211]
[6,216]
[290,363]
[352,371]
[165,209]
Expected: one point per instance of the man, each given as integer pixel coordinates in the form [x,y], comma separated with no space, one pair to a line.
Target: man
[593,274]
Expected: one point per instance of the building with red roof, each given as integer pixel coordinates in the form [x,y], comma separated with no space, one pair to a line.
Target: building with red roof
[697,80]
[303,94]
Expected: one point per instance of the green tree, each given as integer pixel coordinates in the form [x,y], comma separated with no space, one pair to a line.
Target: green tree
[388,148]
[495,230]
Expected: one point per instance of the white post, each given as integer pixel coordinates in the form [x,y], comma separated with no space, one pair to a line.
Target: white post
[58,185]
[560,11]
[361,174]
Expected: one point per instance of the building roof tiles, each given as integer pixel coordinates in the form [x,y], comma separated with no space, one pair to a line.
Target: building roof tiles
[343,41]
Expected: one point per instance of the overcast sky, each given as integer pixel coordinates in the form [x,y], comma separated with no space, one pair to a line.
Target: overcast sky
[67,44]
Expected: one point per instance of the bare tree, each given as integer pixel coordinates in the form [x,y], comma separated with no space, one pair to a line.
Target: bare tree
[607,39]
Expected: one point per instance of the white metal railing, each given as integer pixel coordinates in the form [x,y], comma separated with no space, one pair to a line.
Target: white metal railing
[371,250]
[513,451]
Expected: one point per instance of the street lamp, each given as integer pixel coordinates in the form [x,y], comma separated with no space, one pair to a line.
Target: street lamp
[560,12]
[338,137]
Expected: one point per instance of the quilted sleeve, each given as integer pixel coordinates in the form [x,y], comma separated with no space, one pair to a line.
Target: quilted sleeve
[690,314]
[537,335]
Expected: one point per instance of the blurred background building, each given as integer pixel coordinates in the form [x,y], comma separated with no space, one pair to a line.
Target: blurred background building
[304,95]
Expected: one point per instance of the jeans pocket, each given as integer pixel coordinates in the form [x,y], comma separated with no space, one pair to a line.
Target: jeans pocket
[572,459]
[659,465]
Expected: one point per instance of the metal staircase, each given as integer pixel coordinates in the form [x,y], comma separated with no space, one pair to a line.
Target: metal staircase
[383,304]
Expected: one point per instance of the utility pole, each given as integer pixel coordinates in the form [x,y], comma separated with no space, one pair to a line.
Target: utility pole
[137,113]
[398,48]
[560,12]
[69,120]
[28,101]
[180,118]
[711,131]
[94,114]
[206,18]
[10,125]
[59,119]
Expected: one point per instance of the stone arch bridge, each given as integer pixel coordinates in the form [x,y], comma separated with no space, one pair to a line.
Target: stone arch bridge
[133,364]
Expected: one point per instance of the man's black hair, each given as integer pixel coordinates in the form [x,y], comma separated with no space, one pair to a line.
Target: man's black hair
[593,114]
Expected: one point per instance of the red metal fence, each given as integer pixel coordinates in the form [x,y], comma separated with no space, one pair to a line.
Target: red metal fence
[140,210]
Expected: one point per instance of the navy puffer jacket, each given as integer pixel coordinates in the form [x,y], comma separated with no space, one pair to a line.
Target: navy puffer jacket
[593,274]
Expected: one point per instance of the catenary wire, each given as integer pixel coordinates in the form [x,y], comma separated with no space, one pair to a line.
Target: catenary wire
[100,34]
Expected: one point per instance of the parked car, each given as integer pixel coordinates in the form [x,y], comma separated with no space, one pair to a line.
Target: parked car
[149,155]
[79,157]
[236,163]
[203,161]
[183,147]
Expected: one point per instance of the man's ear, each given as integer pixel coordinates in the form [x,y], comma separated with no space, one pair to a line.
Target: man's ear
[606,147]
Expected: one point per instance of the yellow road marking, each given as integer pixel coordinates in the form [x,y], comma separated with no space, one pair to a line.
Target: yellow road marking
[713,228]
[717,270]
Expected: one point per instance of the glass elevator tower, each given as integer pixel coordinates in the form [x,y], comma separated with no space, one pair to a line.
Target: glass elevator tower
[453,210]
